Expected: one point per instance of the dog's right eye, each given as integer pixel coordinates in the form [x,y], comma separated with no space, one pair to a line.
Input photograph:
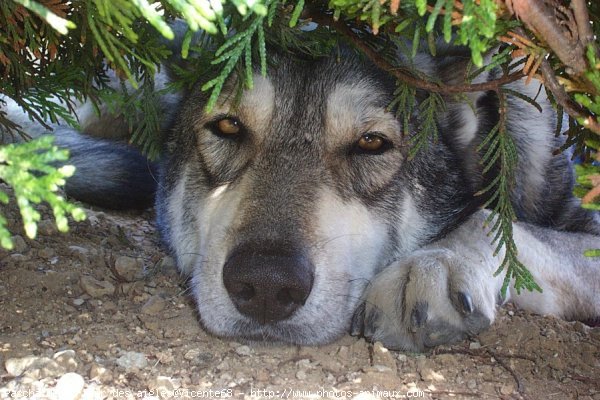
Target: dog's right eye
[372,143]
[228,127]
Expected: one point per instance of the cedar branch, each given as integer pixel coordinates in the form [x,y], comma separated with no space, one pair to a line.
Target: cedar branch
[560,95]
[405,77]
[539,18]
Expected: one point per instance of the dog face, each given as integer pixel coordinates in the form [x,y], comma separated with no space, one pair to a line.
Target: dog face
[283,203]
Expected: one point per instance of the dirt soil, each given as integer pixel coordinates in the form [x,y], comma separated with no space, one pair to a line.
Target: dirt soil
[101,313]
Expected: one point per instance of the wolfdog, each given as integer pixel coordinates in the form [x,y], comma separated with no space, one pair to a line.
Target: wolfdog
[299,216]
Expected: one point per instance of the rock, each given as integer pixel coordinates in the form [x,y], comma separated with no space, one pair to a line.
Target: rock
[19,244]
[96,288]
[203,359]
[78,302]
[46,253]
[163,385]
[81,253]
[69,386]
[66,359]
[223,366]
[154,305]
[472,384]
[474,345]
[33,367]
[429,375]
[131,359]
[16,366]
[243,350]
[129,268]
[507,390]
[100,373]
[301,375]
[46,227]
[191,354]
[382,356]
[382,368]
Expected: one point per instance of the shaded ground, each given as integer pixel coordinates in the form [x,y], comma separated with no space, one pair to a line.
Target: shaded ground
[78,319]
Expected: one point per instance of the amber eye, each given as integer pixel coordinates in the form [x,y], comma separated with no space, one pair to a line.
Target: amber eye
[371,142]
[228,126]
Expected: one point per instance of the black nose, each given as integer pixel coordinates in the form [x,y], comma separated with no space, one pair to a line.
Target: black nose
[267,283]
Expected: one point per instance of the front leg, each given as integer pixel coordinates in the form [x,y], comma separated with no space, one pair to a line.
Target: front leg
[446,291]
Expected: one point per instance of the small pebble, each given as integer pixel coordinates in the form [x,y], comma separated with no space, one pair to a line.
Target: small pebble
[382,356]
[154,305]
[474,345]
[129,268]
[47,227]
[66,359]
[78,302]
[33,367]
[132,359]
[19,244]
[507,390]
[191,354]
[162,384]
[69,386]
[96,288]
[301,375]
[100,373]
[46,253]
[243,350]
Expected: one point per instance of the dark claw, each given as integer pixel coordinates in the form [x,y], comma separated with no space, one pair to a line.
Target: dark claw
[418,317]
[358,321]
[466,303]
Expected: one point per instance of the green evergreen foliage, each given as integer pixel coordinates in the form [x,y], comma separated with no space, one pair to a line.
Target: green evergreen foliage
[28,169]
[54,53]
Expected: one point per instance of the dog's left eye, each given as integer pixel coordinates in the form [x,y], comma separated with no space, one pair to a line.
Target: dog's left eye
[228,126]
[372,143]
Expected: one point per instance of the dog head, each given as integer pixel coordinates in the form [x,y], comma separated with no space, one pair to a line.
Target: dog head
[283,202]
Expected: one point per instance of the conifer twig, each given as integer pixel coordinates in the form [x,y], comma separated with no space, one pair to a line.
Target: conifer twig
[561,96]
[403,76]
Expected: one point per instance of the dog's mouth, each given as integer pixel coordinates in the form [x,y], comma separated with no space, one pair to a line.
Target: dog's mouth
[282,333]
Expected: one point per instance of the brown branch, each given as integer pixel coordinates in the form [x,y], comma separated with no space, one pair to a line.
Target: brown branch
[405,77]
[540,19]
[561,96]
[591,195]
[564,100]
[487,353]
[582,19]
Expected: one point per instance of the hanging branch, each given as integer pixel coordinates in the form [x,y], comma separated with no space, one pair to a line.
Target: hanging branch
[560,94]
[419,83]
[556,24]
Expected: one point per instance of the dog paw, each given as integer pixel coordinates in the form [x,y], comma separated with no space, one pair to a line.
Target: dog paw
[434,297]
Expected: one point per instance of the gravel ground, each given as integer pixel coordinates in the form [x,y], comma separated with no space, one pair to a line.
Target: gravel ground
[100,313]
